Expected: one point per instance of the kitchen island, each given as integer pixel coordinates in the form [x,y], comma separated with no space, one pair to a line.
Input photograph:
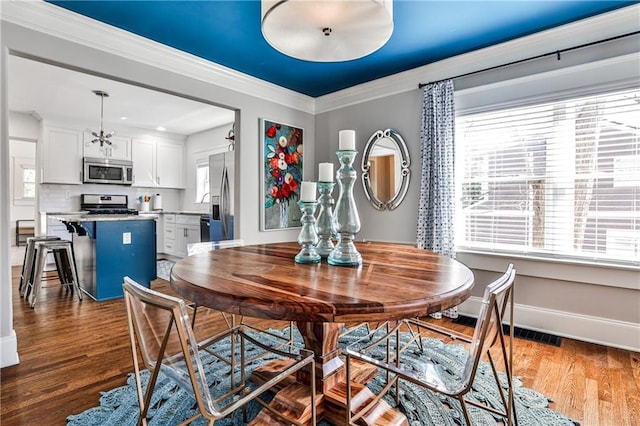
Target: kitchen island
[108,248]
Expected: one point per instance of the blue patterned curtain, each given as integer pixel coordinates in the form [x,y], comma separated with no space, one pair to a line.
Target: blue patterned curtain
[436,207]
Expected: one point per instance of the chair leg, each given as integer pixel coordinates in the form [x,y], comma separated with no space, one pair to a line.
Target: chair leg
[26,267]
[61,270]
[465,410]
[74,275]
[30,258]
[41,260]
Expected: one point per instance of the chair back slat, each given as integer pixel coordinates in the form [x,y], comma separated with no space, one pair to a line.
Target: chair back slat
[489,325]
[164,336]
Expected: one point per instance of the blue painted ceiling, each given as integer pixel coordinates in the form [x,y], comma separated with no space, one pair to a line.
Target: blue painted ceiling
[228,33]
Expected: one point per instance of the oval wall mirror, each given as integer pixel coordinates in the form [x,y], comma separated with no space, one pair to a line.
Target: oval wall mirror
[385,169]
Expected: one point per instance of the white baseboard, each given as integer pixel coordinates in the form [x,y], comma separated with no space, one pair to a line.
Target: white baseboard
[603,331]
[9,350]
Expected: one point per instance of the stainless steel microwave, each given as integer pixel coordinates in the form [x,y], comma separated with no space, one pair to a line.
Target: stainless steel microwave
[106,170]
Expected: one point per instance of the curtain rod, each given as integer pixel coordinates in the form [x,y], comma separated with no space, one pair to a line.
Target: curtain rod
[557,53]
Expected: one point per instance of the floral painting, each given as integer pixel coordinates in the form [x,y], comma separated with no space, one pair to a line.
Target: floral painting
[282,153]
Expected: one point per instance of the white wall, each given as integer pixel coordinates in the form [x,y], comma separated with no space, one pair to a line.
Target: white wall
[198,148]
[23,136]
[21,152]
[8,341]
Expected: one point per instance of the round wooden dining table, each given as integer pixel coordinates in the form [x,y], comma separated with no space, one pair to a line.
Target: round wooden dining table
[394,282]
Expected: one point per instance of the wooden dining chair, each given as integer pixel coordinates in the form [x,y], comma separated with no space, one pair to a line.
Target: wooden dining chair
[160,330]
[390,353]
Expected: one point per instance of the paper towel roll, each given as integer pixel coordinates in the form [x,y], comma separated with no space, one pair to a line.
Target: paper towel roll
[157,202]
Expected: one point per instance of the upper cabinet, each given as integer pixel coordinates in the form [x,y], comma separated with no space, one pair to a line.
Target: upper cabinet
[144,163]
[120,148]
[170,165]
[157,163]
[61,155]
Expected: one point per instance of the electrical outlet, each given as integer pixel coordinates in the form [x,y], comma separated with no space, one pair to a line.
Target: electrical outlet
[126,238]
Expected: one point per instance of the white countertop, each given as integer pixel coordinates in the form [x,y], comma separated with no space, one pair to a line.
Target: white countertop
[83,217]
[194,213]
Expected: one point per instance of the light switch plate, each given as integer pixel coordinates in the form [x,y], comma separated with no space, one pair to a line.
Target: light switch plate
[126,238]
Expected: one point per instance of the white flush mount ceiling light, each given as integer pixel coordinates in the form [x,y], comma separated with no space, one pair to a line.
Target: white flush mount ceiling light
[327,30]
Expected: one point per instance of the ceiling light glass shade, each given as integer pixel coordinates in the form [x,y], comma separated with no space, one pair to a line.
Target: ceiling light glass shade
[327,30]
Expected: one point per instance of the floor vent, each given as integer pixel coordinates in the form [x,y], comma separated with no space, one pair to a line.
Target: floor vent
[521,333]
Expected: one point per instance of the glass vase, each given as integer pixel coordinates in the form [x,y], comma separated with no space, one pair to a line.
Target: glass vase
[324,222]
[308,236]
[284,213]
[345,216]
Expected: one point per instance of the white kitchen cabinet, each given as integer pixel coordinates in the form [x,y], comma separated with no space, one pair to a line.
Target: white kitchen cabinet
[157,164]
[144,163]
[61,155]
[120,148]
[169,233]
[170,166]
[187,232]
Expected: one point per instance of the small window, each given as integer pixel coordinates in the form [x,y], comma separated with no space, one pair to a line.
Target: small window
[24,181]
[202,183]
[28,182]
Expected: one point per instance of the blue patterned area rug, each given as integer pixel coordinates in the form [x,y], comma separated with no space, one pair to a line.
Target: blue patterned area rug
[171,404]
[163,268]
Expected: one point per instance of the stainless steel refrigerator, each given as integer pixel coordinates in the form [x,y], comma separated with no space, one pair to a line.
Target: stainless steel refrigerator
[221,187]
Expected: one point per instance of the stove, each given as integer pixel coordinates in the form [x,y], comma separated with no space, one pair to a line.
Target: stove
[106,204]
[125,212]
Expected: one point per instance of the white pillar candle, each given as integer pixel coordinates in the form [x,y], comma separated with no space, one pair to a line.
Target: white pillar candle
[308,191]
[325,172]
[347,140]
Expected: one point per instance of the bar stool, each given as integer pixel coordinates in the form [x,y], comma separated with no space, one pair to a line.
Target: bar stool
[29,260]
[65,263]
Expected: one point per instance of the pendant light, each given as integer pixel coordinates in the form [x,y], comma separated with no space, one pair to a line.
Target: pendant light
[101,136]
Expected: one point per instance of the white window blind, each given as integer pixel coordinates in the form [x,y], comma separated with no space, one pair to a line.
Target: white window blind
[558,179]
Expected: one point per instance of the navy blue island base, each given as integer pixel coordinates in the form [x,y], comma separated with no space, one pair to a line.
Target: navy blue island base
[111,250]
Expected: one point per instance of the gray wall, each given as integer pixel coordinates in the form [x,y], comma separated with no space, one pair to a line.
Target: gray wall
[401,112]
[600,304]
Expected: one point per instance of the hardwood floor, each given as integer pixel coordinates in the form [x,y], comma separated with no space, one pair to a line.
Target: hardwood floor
[70,351]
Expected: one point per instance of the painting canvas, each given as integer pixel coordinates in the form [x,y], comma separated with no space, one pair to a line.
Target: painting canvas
[282,159]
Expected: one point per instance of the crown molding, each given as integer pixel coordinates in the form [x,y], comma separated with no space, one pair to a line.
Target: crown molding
[58,22]
[611,24]
[70,26]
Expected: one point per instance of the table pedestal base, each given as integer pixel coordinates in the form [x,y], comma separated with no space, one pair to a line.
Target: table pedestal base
[331,399]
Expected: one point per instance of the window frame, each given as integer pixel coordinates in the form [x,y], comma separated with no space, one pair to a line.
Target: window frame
[202,197]
[578,74]
[19,165]
[466,218]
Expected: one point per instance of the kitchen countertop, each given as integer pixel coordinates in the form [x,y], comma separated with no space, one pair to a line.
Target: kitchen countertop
[83,217]
[194,213]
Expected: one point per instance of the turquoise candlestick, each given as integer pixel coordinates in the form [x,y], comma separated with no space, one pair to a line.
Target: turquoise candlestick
[308,236]
[346,220]
[324,222]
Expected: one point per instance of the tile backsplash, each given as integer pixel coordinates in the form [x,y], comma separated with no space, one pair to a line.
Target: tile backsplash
[66,198]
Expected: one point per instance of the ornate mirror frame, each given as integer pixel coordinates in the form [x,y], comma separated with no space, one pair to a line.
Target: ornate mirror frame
[405,162]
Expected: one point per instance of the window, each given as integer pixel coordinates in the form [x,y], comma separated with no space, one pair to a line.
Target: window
[202,182]
[24,179]
[28,182]
[558,179]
